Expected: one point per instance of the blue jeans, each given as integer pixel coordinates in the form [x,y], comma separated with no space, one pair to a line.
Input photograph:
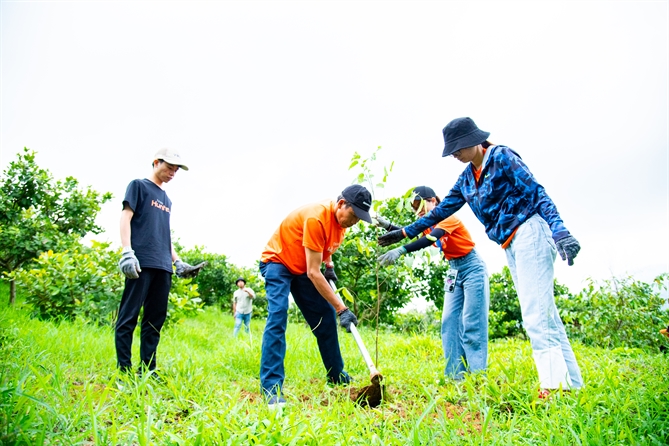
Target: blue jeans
[239,318]
[530,256]
[319,314]
[464,321]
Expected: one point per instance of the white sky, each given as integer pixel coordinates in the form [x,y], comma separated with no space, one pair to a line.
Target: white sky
[268,101]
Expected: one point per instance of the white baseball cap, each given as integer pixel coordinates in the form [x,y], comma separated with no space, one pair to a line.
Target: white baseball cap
[170,156]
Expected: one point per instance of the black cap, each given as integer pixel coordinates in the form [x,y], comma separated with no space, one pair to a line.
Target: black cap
[242,279]
[424,192]
[360,200]
[461,133]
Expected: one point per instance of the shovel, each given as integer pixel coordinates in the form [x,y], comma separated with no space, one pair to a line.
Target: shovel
[371,395]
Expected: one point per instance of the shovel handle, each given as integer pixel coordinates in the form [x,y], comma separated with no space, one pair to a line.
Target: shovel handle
[358,340]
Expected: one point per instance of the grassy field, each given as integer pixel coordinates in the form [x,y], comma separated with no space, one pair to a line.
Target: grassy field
[58,385]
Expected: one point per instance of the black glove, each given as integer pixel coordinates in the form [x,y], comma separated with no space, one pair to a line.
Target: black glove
[330,274]
[185,271]
[568,247]
[391,237]
[346,318]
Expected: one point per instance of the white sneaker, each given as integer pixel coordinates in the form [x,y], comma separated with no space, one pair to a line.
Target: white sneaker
[276,402]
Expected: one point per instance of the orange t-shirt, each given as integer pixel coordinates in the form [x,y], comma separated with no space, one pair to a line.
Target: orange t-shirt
[313,226]
[457,242]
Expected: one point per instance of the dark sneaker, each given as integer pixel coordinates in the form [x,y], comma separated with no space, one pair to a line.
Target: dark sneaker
[276,402]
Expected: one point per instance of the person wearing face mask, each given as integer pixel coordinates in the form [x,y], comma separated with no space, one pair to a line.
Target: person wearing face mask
[291,263]
[464,321]
[519,215]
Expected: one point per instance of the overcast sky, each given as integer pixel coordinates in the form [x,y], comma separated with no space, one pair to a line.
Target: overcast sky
[268,101]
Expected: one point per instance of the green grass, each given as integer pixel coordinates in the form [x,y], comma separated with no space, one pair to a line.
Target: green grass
[58,385]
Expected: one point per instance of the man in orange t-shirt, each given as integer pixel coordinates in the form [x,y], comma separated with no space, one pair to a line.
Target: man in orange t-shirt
[291,263]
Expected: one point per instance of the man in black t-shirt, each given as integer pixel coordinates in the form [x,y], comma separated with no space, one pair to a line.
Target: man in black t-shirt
[146,261]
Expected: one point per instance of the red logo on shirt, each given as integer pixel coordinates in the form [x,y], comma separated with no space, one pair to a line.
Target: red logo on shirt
[159,205]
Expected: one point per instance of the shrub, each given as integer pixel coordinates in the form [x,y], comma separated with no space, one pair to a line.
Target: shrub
[417,322]
[505,318]
[84,282]
[216,281]
[184,301]
[618,313]
[79,282]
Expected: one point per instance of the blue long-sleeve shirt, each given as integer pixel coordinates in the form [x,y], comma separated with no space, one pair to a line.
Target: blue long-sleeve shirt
[505,196]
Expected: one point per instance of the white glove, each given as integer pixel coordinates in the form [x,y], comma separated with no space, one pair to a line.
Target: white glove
[381,222]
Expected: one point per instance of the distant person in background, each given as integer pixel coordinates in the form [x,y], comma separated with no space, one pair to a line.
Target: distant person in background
[464,321]
[291,263]
[519,215]
[242,305]
[146,261]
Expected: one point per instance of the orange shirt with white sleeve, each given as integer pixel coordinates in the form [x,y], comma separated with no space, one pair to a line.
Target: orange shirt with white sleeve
[312,226]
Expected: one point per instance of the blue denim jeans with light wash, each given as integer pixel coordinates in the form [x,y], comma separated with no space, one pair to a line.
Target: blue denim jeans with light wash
[319,314]
[242,318]
[464,321]
[531,255]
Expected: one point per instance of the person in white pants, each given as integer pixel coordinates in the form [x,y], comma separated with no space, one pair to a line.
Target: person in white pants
[519,215]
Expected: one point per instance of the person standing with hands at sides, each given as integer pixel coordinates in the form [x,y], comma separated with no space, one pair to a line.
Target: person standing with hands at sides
[146,261]
[464,320]
[242,305]
[291,263]
[519,215]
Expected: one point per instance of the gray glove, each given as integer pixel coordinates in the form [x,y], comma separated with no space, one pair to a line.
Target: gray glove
[129,265]
[330,274]
[346,318]
[381,222]
[391,256]
[185,271]
[568,247]
[391,237]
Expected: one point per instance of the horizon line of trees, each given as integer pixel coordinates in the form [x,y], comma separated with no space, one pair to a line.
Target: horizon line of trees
[43,223]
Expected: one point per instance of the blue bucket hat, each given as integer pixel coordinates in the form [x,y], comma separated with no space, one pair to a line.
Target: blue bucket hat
[461,133]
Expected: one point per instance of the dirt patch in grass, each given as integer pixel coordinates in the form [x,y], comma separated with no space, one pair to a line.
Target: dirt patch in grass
[471,420]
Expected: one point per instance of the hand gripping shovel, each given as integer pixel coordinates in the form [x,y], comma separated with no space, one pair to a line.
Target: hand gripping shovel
[371,395]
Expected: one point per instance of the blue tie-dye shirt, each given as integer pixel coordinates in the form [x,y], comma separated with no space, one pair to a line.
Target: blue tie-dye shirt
[506,196]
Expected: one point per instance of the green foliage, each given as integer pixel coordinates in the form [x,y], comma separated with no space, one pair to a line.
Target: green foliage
[618,313]
[373,292]
[430,271]
[79,282]
[85,283]
[357,270]
[417,322]
[38,214]
[216,281]
[184,301]
[505,318]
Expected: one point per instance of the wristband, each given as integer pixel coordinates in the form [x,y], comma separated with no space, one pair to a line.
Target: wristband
[341,311]
[126,249]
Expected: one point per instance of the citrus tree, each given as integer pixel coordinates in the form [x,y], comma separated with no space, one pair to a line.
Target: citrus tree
[38,214]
